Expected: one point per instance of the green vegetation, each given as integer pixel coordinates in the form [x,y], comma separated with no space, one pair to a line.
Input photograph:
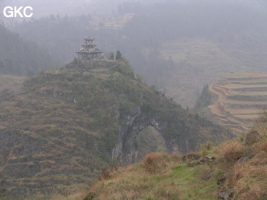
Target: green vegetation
[149,140]
[203,100]
[118,55]
[236,169]
[19,57]
[63,124]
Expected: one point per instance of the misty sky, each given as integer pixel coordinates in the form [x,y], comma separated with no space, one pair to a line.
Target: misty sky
[64,7]
[78,7]
[70,7]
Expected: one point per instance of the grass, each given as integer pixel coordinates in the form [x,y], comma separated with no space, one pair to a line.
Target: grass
[12,83]
[162,176]
[158,176]
[62,129]
[172,179]
[231,151]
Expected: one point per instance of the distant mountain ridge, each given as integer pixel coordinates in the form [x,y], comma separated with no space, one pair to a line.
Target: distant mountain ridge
[21,57]
[169,43]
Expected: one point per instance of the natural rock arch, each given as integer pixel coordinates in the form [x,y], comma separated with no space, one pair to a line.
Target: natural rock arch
[125,151]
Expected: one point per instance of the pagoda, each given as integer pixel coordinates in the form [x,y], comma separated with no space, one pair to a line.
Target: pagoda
[88,50]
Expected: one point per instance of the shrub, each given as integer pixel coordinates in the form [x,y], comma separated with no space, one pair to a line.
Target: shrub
[151,162]
[252,137]
[104,175]
[231,151]
[249,181]
[260,125]
[176,156]
[205,148]
[262,147]
[90,196]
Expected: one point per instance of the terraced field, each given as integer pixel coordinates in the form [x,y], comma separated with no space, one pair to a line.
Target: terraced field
[239,99]
[195,59]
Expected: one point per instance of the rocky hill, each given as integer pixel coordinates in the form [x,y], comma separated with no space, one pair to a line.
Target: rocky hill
[235,100]
[64,125]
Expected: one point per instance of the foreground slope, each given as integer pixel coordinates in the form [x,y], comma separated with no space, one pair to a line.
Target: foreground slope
[235,170]
[66,124]
[236,100]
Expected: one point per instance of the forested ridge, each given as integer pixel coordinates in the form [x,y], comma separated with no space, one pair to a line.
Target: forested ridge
[20,57]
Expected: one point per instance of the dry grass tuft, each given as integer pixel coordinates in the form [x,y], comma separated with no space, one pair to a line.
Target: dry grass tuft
[104,175]
[152,161]
[249,181]
[260,125]
[231,151]
[262,147]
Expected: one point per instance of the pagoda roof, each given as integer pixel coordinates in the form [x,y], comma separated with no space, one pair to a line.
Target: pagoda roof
[90,44]
[89,39]
[89,51]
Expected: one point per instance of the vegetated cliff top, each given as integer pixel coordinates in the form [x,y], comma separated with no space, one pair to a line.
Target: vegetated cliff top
[235,100]
[236,170]
[66,124]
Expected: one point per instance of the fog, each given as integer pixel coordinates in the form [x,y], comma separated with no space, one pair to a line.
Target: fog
[71,7]
[168,42]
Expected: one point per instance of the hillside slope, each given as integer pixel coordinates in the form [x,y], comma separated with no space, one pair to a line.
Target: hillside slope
[66,124]
[235,170]
[236,100]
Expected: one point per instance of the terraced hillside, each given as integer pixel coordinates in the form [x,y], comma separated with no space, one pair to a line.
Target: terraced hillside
[10,83]
[63,125]
[196,59]
[238,99]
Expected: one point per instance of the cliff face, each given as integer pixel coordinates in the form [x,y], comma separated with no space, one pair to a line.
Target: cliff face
[64,125]
[185,135]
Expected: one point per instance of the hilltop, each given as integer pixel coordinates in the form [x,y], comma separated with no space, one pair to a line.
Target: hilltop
[65,124]
[235,100]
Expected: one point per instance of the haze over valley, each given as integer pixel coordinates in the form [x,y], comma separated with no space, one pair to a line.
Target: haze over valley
[193,40]
[88,87]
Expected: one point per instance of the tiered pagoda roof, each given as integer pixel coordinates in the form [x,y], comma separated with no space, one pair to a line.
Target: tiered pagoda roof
[88,50]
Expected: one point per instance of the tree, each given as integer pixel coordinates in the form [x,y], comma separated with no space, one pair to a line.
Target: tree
[118,55]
